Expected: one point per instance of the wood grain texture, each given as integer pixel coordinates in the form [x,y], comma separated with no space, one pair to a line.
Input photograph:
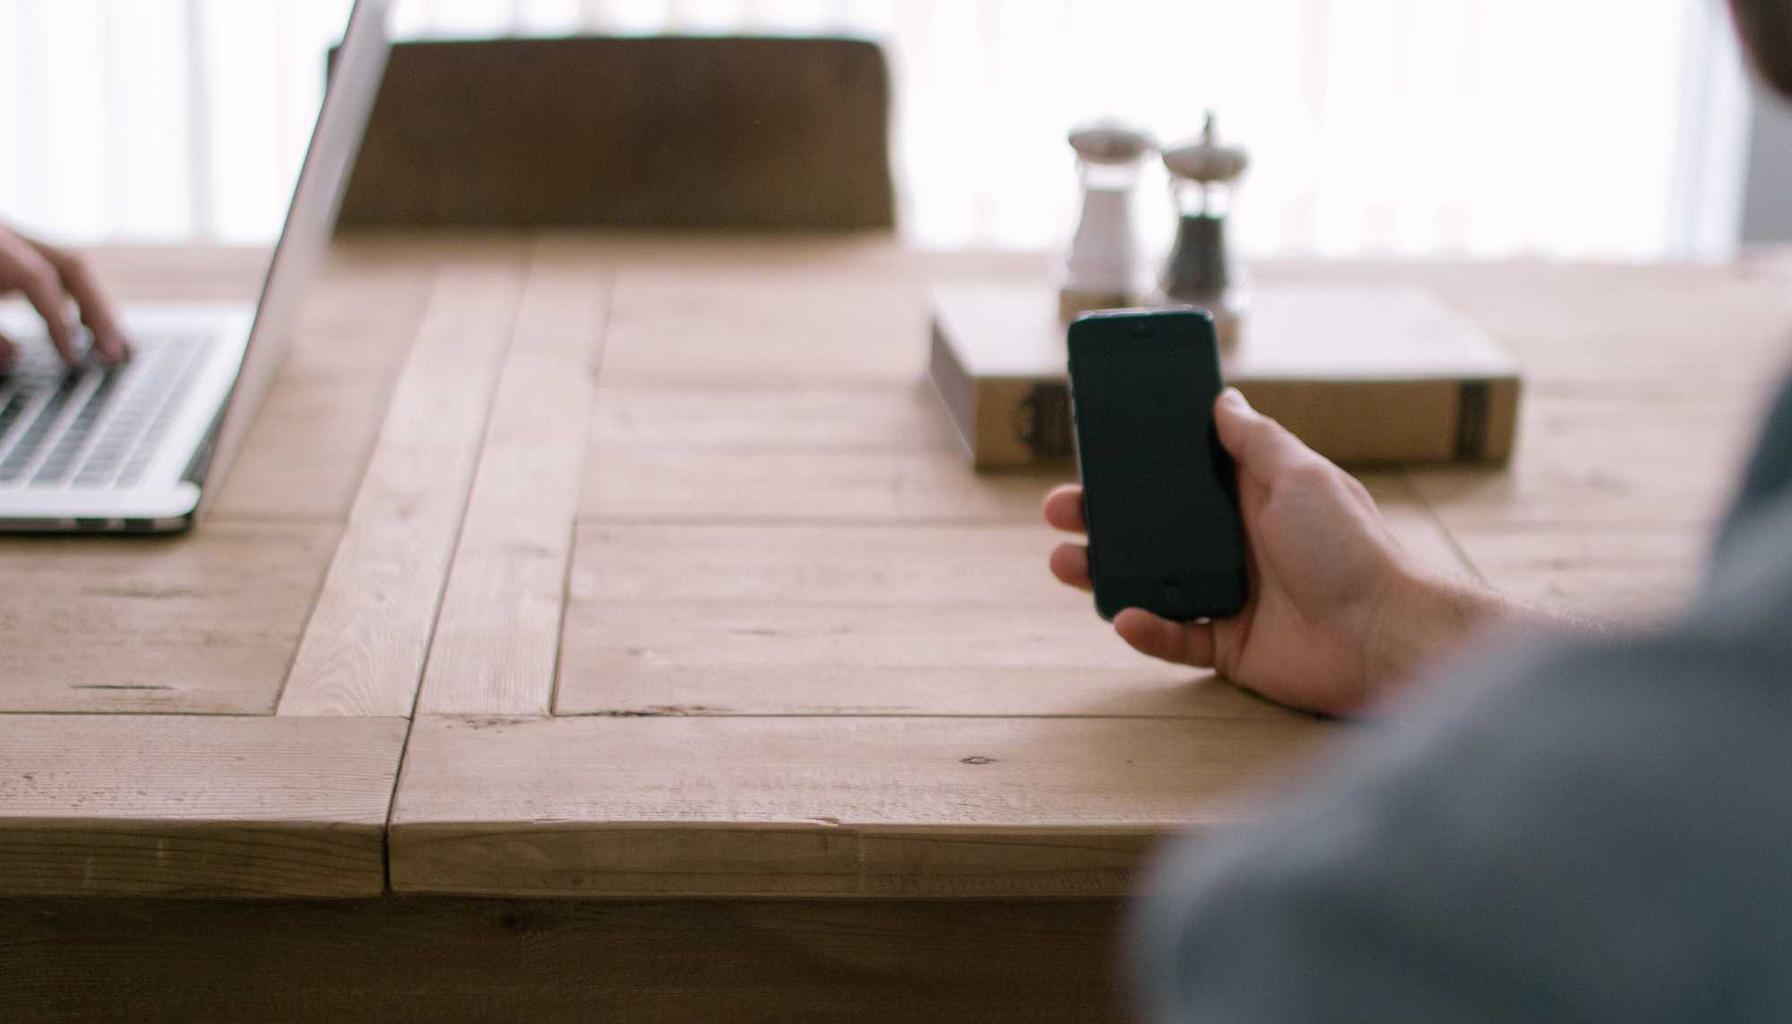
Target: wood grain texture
[796,326]
[1415,525]
[830,619]
[1667,331]
[204,623]
[194,805]
[806,651]
[869,419]
[498,634]
[810,659]
[888,487]
[751,133]
[427,959]
[882,567]
[1613,574]
[1590,461]
[815,806]
[364,648]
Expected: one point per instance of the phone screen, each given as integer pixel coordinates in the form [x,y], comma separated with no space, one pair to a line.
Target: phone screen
[1159,492]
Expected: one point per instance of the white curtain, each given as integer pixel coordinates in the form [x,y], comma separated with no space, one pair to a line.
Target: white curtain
[1378,127]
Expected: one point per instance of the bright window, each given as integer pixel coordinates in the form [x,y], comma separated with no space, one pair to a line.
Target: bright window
[1377,127]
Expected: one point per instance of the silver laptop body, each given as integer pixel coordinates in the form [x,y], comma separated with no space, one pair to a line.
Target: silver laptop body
[139,448]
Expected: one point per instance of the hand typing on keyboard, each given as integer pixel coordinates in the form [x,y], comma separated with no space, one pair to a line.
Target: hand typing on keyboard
[51,279]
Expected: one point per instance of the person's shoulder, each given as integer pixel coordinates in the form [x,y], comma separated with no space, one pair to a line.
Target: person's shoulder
[1767,480]
[1553,796]
[1746,594]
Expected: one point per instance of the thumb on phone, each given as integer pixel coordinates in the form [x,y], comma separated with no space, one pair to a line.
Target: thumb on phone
[1263,448]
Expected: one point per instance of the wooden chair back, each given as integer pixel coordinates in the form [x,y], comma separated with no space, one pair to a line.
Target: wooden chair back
[651,132]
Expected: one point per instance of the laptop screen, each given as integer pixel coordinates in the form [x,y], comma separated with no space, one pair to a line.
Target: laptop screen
[360,63]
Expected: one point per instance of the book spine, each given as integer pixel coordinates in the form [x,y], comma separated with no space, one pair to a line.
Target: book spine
[1014,423]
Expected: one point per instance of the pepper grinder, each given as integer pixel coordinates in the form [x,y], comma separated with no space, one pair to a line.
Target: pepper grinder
[1200,270]
[1101,270]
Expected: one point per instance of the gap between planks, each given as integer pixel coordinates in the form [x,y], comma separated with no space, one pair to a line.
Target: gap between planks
[195,805]
[497,639]
[728,807]
[364,647]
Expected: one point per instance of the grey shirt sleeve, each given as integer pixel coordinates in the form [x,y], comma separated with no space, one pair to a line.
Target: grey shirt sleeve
[1564,831]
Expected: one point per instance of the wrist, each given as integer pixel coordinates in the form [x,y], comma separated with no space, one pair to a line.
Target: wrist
[1420,619]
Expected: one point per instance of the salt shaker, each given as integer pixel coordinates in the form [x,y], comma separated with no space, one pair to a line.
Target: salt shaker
[1101,269]
[1201,271]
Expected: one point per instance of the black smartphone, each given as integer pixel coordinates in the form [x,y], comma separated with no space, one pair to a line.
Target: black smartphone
[1160,494]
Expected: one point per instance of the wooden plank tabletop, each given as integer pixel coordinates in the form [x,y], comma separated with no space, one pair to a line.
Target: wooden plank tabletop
[140,749]
[563,565]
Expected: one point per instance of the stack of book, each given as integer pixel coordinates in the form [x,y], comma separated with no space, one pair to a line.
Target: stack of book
[1365,375]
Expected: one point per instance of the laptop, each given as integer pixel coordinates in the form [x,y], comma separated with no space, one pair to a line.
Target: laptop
[140,448]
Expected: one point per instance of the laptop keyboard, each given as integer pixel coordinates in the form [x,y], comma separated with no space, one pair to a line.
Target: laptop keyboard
[89,426]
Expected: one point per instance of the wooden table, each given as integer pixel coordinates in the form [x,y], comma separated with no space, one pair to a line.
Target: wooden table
[610,623]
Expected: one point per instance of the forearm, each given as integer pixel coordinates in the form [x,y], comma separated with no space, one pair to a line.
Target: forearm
[1425,618]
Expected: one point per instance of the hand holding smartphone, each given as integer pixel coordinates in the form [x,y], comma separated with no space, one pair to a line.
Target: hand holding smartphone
[1159,492]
